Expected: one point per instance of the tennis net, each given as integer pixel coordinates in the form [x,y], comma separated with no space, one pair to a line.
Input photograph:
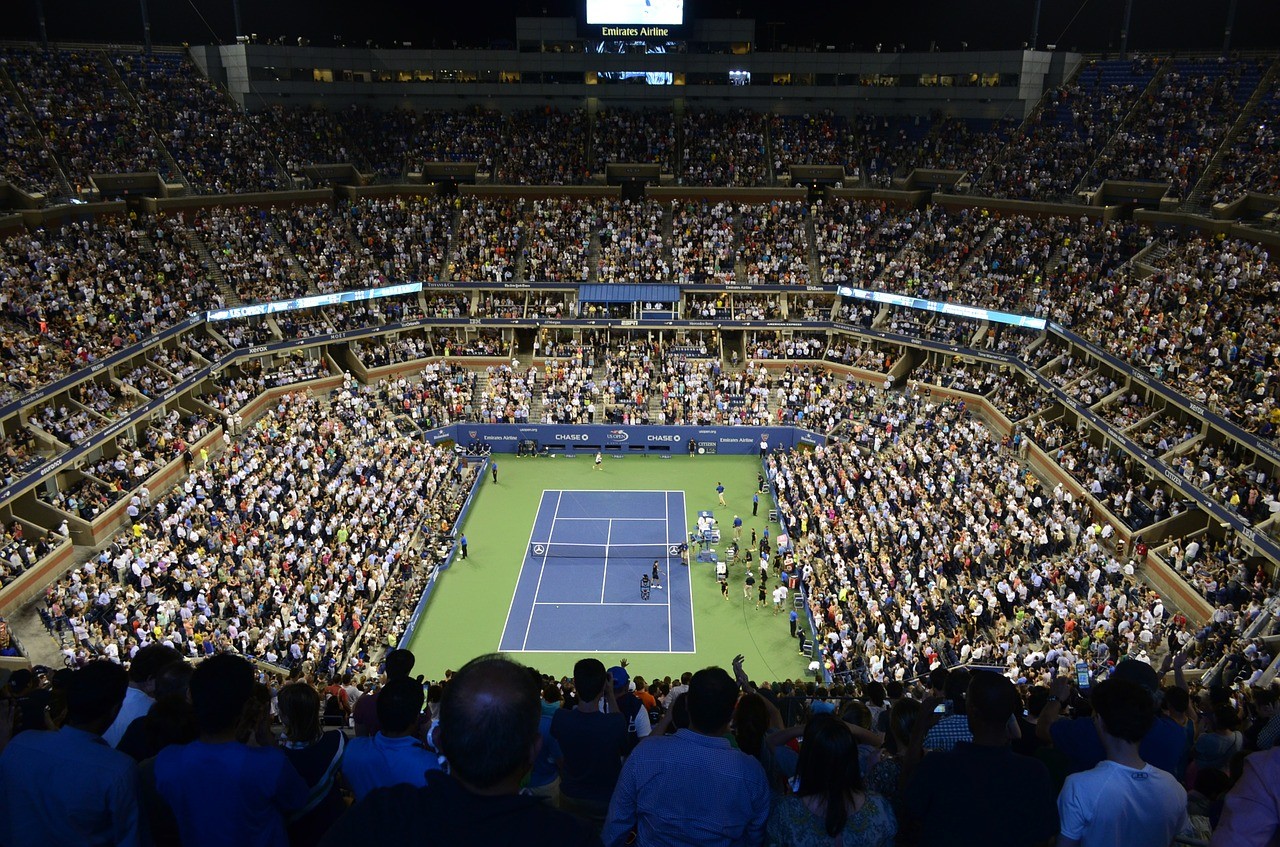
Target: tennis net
[573,550]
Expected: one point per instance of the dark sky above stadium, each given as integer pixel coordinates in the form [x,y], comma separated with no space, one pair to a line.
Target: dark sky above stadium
[1088,25]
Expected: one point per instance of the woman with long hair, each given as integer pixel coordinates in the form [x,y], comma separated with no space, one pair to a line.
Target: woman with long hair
[317,756]
[831,806]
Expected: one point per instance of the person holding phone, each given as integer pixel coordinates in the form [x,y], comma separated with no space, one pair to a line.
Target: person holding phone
[1164,744]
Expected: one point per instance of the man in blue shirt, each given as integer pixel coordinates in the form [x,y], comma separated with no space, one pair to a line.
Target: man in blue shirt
[1163,745]
[222,791]
[462,544]
[737,528]
[489,732]
[755,504]
[69,786]
[692,788]
[395,755]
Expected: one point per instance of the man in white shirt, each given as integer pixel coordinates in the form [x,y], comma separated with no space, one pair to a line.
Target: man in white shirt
[1123,800]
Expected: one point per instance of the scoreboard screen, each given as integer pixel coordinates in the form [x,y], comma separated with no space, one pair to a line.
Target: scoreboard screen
[634,18]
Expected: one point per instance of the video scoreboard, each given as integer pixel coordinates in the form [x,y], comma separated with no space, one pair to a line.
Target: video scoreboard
[632,19]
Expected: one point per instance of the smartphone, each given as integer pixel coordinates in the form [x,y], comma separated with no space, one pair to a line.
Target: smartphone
[940,709]
[1082,676]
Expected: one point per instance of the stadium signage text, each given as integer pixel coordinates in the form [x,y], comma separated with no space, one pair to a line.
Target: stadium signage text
[633,31]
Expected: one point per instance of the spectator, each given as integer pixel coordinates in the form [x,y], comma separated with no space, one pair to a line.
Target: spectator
[489,733]
[1251,813]
[593,742]
[1124,800]
[544,778]
[317,757]
[170,719]
[954,727]
[138,700]
[692,787]
[945,797]
[397,664]
[395,755]
[1214,748]
[630,705]
[67,786]
[1164,745]
[831,800]
[220,790]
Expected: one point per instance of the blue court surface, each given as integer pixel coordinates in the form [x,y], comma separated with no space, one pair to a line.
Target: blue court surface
[580,584]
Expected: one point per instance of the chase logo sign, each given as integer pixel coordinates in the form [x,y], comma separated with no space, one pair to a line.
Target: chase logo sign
[617,435]
[571,436]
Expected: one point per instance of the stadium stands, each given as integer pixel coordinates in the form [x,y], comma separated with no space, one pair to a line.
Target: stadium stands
[939,526]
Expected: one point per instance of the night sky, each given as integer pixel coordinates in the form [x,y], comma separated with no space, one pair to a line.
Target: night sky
[1087,25]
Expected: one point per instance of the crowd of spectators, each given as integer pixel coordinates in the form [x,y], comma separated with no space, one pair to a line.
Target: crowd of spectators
[544,147]
[1171,135]
[487,243]
[89,123]
[27,162]
[212,143]
[558,243]
[631,242]
[270,549]
[405,239]
[723,148]
[644,136]
[1252,161]
[963,144]
[1201,322]
[775,243]
[1052,152]
[703,237]
[855,239]
[377,141]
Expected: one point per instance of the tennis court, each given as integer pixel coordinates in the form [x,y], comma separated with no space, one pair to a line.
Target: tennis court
[582,585]
[487,600]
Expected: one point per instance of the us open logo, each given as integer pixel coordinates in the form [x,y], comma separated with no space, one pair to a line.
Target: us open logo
[617,435]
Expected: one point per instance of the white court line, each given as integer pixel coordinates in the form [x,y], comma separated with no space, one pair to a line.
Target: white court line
[666,530]
[541,571]
[611,519]
[516,590]
[585,603]
[688,576]
[628,652]
[605,578]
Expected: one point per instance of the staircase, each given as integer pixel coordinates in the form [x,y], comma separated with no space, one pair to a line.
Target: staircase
[1195,201]
[446,270]
[770,178]
[296,272]
[225,288]
[63,185]
[161,150]
[1019,133]
[1091,178]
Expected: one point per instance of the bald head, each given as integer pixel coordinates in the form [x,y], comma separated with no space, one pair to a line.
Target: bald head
[489,721]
